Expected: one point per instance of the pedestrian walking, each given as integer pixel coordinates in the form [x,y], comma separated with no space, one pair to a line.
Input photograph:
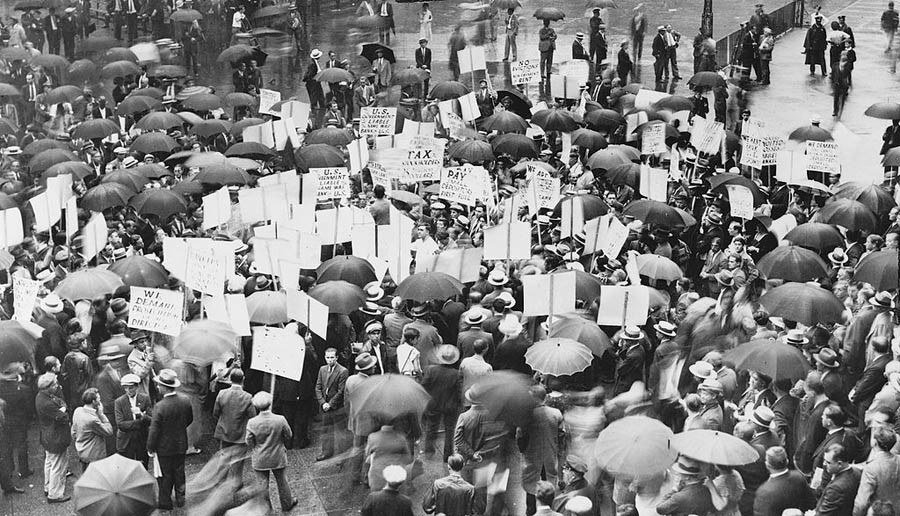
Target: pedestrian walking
[890,19]
[386,22]
[314,87]
[624,65]
[232,410]
[637,28]
[191,43]
[840,84]
[268,435]
[451,495]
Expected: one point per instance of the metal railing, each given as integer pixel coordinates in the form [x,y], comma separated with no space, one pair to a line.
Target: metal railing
[781,20]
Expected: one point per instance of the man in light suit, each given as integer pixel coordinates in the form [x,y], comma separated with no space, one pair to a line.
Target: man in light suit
[423,61]
[330,395]
[267,436]
[232,410]
[132,417]
[512,30]
[383,72]
[167,439]
[363,95]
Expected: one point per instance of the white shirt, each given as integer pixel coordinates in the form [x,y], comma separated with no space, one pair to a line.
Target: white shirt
[237,20]
[384,10]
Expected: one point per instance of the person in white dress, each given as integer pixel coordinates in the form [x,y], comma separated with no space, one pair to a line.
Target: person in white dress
[425,19]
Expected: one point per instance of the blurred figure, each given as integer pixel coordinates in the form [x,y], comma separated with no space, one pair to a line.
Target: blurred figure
[232,410]
[167,440]
[388,501]
[268,435]
[132,418]
[451,495]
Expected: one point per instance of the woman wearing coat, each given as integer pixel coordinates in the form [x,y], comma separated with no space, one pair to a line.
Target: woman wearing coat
[268,436]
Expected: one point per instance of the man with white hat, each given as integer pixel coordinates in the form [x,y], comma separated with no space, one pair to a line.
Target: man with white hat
[711,415]
[132,420]
[389,501]
[578,50]
[510,351]
[53,339]
[472,320]
[762,418]
[167,440]
[631,359]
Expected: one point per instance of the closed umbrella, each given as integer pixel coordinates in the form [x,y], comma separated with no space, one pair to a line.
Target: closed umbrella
[203,341]
[341,297]
[516,145]
[154,142]
[351,269]
[88,284]
[139,271]
[659,214]
[584,331]
[555,120]
[714,447]
[558,356]
[635,447]
[105,196]
[816,235]
[95,129]
[803,302]
[471,151]
[792,263]
[160,202]
[848,213]
[774,359]
[874,197]
[268,307]
[115,485]
[879,269]
[426,286]
[658,267]
[504,122]
[135,182]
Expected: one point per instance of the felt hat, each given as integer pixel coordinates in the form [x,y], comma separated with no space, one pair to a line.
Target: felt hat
[575,463]
[168,378]
[882,299]
[130,379]
[828,358]
[686,466]
[365,361]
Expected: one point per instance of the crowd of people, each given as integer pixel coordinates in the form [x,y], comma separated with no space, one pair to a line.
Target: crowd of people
[778,332]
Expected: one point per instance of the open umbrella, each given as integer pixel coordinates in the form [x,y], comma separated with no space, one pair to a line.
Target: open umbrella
[515,102]
[810,133]
[504,122]
[625,174]
[605,159]
[587,286]
[388,396]
[848,213]
[369,51]
[591,205]
[705,80]
[884,110]
[154,142]
[558,356]
[235,53]
[185,15]
[555,120]
[252,150]
[137,104]
[271,10]
[516,145]
[659,214]
[268,307]
[212,127]
[105,196]
[202,102]
[674,103]
[132,180]
[223,173]
[635,447]
[447,90]
[77,169]
[333,136]
[816,235]
[874,197]
[318,155]
[341,297]
[237,129]
[119,69]
[803,302]
[8,90]
[471,151]
[774,359]
[188,188]
[718,183]
[139,271]
[95,129]
[549,13]
[160,202]
[168,70]
[879,269]
[409,76]
[115,485]
[584,331]
[119,54]
[151,170]
[589,139]
[792,263]
[82,70]
[46,159]
[98,43]
[88,284]
[351,269]
[203,341]
[38,146]
[334,74]
[64,93]
[506,396]
[238,99]
[714,447]
[427,286]
[406,196]
[14,54]
[159,121]
[16,344]
[658,267]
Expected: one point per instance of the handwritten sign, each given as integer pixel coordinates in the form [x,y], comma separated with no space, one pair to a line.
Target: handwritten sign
[216,208]
[24,297]
[654,183]
[751,152]
[605,234]
[706,135]
[267,99]
[823,157]
[458,184]
[526,71]
[741,200]
[424,159]
[155,309]
[205,271]
[543,189]
[653,139]
[334,183]
[772,145]
[278,351]
[380,176]
[376,121]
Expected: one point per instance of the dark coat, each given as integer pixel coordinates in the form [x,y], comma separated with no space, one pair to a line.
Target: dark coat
[443,385]
[423,58]
[753,475]
[659,47]
[815,44]
[578,51]
[785,409]
[131,433]
[330,388]
[19,402]
[54,422]
[869,384]
[510,354]
[168,427]
[630,368]
[691,499]
[837,497]
[783,492]
[110,389]
[809,437]
[387,502]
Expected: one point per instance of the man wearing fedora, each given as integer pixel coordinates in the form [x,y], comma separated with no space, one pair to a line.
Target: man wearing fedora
[53,339]
[111,358]
[442,382]
[429,338]
[827,364]
[711,416]
[691,495]
[762,418]
[860,330]
[132,415]
[141,358]
[576,485]
[55,436]
[510,351]
[358,425]
[631,359]
[167,439]
[76,372]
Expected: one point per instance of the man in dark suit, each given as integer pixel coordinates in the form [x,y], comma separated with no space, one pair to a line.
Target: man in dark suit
[68,27]
[132,416]
[451,494]
[811,433]
[442,382]
[111,357]
[578,50]
[51,29]
[827,364]
[785,410]
[692,497]
[753,474]
[314,87]
[660,52]
[573,472]
[55,436]
[168,440]
[785,489]
[102,110]
[833,420]
[838,496]
[631,360]
[853,352]
[330,395]
[296,401]
[872,379]
[389,501]
[423,62]
[485,100]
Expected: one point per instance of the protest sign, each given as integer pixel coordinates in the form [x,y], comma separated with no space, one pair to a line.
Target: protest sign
[268,253]
[380,176]
[205,271]
[654,183]
[543,189]
[547,294]
[525,71]
[46,210]
[94,235]
[334,225]
[822,157]
[264,203]
[24,297]
[296,111]
[230,309]
[753,127]
[307,311]
[155,309]
[216,208]
[462,264]
[267,99]
[471,59]
[334,182]
[11,231]
[394,244]
[508,241]
[751,151]
[263,134]
[565,87]
[653,138]
[279,352]
[289,179]
[645,98]
[358,150]
[790,166]
[576,71]
[623,306]
[771,146]
[706,135]
[285,131]
[632,121]
[604,234]
[740,198]
[468,106]
[420,158]
[458,184]
[71,210]
[60,188]
[572,217]
[411,128]
[376,121]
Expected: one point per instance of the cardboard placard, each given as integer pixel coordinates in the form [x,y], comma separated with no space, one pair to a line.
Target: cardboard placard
[307,311]
[289,179]
[605,233]
[205,271]
[740,198]
[707,134]
[155,309]
[823,157]
[572,214]
[508,241]
[95,234]
[458,184]
[468,106]
[296,111]
[217,208]
[267,99]
[547,294]
[230,309]
[645,98]
[565,87]
[278,351]
[471,59]
[11,231]
[376,121]
[46,210]
[623,306]
[24,297]
[334,225]
[358,150]
[334,182]
[525,71]
[790,166]
[263,134]
[543,189]
[264,203]
[654,183]
[462,264]
[653,138]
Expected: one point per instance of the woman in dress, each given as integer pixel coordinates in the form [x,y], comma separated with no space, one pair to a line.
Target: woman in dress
[425,19]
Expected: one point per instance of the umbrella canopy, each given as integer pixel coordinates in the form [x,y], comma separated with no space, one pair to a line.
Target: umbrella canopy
[235,53]
[504,122]
[589,139]
[185,15]
[95,129]
[774,359]
[674,103]
[207,128]
[370,50]
[119,69]
[202,102]
[272,10]
[16,344]
[558,356]
[318,155]
[237,129]
[472,151]
[516,145]
[223,173]
[714,447]
[388,396]
[159,121]
[153,142]
[203,341]
[160,202]
[237,99]
[549,13]
[406,196]
[115,485]
[137,104]
[268,307]
[88,284]
[506,396]
[351,269]
[591,205]
[8,90]
[587,286]
[816,235]
[151,170]
[555,120]
[409,76]
[449,90]
[848,213]
[804,303]
[340,296]
[625,174]
[792,263]
[719,183]
[891,158]
[78,169]
[188,188]
[426,286]
[658,267]
[119,54]
[605,159]
[333,136]
[810,133]
[168,70]
[155,93]
[515,102]
[38,146]
[138,271]
[14,54]
[705,80]
[584,331]
[879,269]
[65,93]
[874,197]
[46,159]
[105,196]
[252,150]
[82,70]
[884,110]
[635,447]
[659,214]
[132,180]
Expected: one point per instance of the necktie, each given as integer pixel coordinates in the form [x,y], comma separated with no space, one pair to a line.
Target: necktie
[131,6]
[53,22]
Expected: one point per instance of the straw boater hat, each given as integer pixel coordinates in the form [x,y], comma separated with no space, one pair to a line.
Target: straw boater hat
[498,278]
[686,466]
[44,276]
[510,325]
[796,338]
[474,317]
[130,379]
[762,416]
[418,311]
[579,506]
[711,384]
[632,333]
[394,474]
[447,354]
[507,298]
[665,328]
[838,256]
[52,304]
[315,54]
[168,378]
[372,326]
[828,358]
[374,292]
[365,361]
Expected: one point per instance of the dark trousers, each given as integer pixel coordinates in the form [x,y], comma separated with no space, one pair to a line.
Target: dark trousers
[14,450]
[53,43]
[118,21]
[546,66]
[6,465]
[299,415]
[637,48]
[334,423]
[284,490]
[172,467]
[69,43]
[132,27]
[190,60]
[111,440]
[661,66]
[594,49]
[764,69]
[432,422]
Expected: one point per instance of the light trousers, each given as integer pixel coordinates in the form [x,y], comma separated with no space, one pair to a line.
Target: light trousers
[55,474]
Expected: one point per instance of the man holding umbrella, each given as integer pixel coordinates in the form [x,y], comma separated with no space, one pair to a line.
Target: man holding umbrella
[382,69]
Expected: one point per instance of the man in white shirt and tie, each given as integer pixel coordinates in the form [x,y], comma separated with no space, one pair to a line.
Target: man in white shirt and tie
[30,91]
[512,30]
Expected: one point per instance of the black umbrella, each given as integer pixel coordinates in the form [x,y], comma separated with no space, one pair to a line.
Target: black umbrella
[516,103]
[449,90]
[369,50]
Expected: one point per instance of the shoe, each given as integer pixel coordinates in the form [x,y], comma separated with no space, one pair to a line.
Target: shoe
[506,59]
[14,490]
[293,504]
[193,451]
[64,499]
[179,503]
[26,474]
[164,507]
[676,78]
[322,457]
